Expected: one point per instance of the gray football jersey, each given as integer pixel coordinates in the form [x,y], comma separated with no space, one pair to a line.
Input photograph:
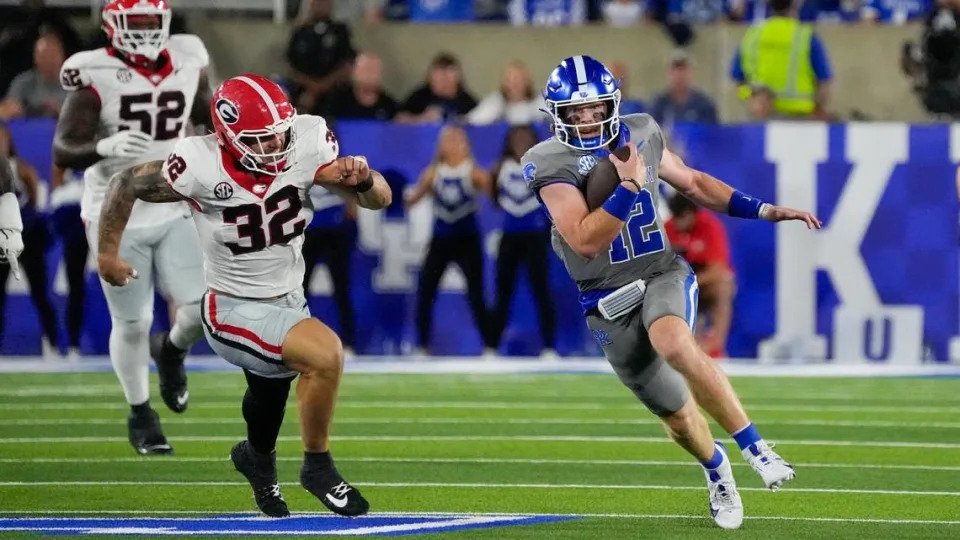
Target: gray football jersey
[642,249]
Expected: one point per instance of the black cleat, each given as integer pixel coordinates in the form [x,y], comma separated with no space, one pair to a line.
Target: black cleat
[334,492]
[261,471]
[146,437]
[173,376]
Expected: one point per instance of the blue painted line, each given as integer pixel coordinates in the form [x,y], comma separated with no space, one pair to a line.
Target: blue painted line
[392,525]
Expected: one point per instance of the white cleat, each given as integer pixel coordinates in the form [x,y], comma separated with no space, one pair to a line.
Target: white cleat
[726,508]
[769,465]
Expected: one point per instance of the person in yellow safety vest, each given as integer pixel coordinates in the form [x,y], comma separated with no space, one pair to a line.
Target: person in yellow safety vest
[788,58]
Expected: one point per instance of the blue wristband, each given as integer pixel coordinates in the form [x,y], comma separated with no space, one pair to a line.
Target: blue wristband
[620,203]
[744,206]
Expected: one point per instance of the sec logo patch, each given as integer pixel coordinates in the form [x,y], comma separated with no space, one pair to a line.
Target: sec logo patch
[586,164]
[223,191]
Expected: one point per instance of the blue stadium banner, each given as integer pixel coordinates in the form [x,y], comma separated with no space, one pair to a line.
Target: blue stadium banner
[878,284]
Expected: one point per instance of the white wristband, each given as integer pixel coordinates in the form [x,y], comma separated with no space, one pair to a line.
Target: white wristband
[764,210]
[10,213]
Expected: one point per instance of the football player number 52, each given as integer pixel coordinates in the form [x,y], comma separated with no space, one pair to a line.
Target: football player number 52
[169,108]
[633,241]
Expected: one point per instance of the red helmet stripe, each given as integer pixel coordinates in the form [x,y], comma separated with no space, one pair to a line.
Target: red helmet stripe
[263,94]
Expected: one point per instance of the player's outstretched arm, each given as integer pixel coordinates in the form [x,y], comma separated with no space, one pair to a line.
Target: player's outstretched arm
[351,178]
[144,182]
[6,175]
[712,193]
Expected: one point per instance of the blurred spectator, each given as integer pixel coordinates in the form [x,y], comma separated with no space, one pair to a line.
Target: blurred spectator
[895,11]
[681,102]
[350,11]
[67,189]
[20,27]
[319,54]
[36,240]
[699,236]
[455,181]
[441,97]
[623,13]
[547,12]
[516,102]
[37,92]
[436,11]
[628,105]
[525,239]
[363,98]
[788,58]
[761,104]
[696,11]
[331,238]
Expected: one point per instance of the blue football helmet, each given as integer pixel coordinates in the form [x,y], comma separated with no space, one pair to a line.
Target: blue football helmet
[580,80]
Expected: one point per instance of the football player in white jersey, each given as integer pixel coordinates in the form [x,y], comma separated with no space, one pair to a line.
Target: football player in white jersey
[11,225]
[249,185]
[128,103]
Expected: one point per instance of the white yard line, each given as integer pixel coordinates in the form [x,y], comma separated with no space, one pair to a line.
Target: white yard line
[480,461]
[142,514]
[475,405]
[482,438]
[483,485]
[481,421]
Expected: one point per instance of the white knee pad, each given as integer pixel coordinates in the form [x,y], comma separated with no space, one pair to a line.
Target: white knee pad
[187,329]
[130,356]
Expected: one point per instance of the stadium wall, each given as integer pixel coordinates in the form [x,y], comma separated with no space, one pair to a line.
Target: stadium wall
[878,284]
[865,58]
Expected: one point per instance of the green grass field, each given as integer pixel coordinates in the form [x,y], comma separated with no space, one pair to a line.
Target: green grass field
[876,458]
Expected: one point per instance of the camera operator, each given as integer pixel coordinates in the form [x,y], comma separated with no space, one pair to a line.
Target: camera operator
[934,64]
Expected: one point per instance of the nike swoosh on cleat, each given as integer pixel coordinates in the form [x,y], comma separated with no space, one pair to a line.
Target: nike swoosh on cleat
[338,502]
[182,399]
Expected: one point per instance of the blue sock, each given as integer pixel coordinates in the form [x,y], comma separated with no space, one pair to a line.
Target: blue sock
[747,436]
[715,461]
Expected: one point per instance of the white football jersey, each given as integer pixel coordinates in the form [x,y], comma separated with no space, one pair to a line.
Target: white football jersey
[251,232]
[157,103]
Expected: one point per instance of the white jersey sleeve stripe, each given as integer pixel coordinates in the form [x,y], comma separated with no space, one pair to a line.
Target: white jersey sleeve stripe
[263,94]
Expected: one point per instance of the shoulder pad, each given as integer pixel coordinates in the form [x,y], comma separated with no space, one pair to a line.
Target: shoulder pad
[190,48]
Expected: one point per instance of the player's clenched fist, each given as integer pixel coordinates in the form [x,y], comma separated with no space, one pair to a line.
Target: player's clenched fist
[353,170]
[115,270]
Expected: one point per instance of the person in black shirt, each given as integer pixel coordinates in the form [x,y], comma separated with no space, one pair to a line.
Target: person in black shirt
[442,96]
[363,98]
[20,27]
[319,55]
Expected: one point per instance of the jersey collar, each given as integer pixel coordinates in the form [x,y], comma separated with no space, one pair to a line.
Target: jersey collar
[256,184]
[154,75]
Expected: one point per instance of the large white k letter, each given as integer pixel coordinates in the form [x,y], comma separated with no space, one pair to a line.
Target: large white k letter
[874,150]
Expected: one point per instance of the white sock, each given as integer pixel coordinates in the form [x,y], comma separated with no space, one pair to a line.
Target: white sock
[130,356]
[187,329]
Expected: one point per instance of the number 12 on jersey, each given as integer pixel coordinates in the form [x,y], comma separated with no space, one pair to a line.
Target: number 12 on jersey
[633,241]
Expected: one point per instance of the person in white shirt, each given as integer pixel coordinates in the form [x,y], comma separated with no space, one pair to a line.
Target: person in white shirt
[515,102]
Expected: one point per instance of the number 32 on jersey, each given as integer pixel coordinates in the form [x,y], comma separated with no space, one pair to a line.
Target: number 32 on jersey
[634,241]
[259,225]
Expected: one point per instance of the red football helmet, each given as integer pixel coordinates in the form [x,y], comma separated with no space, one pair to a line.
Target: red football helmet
[252,117]
[138,28]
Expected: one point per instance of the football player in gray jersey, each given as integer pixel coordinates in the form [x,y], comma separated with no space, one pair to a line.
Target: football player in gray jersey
[639,298]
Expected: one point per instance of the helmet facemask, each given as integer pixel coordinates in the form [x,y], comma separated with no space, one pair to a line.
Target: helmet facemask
[130,34]
[258,149]
[572,133]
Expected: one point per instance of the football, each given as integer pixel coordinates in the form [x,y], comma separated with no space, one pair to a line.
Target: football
[603,179]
